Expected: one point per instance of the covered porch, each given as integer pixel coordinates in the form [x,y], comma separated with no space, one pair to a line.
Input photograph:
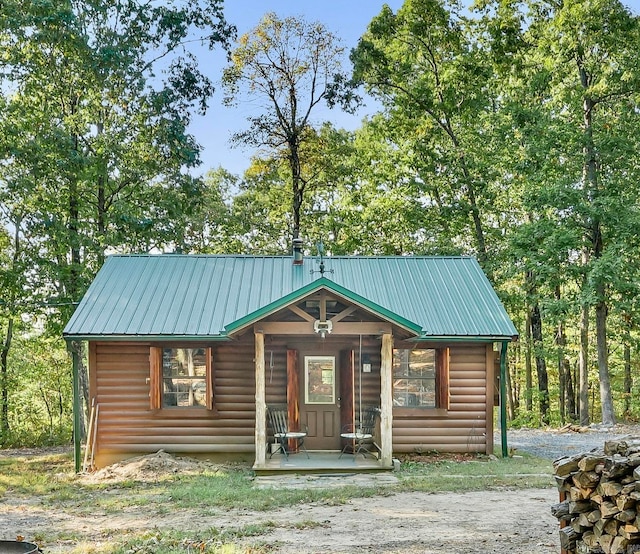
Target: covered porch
[324,333]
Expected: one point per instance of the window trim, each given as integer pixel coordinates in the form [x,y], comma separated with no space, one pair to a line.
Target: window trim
[155,382]
[442,396]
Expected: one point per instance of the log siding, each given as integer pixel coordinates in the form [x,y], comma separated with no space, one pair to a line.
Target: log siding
[461,428]
[127,426]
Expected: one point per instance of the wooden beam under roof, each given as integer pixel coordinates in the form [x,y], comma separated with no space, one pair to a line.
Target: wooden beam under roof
[306,328]
[344,313]
[300,312]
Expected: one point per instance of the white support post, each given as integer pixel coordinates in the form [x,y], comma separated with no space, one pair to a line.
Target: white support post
[261,404]
[386,400]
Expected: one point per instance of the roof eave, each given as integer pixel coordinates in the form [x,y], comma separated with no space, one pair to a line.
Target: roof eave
[147,338]
[466,338]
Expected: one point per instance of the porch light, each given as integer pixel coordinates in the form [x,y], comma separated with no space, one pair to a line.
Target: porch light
[322,327]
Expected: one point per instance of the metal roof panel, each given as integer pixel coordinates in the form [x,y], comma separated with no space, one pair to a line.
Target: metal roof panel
[197,295]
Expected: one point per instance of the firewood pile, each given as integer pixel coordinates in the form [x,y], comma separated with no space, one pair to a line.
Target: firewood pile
[599,510]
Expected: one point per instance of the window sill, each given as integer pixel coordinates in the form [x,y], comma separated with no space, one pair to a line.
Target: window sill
[186,413]
[422,413]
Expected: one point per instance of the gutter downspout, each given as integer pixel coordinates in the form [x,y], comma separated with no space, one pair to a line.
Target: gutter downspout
[75,363]
[503,399]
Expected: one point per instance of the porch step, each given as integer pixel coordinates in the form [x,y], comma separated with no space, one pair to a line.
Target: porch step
[324,480]
[324,463]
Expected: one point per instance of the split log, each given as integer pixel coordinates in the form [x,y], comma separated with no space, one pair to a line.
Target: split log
[586,479]
[566,465]
[584,521]
[581,506]
[568,538]
[619,545]
[609,488]
[617,467]
[589,539]
[605,543]
[611,527]
[561,510]
[630,531]
[626,516]
[590,463]
[625,502]
[607,509]
[594,516]
[578,493]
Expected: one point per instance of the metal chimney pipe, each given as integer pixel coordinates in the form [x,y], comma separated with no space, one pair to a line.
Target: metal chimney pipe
[297,252]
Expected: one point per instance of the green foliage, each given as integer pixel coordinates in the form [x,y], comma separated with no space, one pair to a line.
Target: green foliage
[94,158]
[39,387]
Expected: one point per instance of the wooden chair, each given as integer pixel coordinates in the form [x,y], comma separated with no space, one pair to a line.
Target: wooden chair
[360,437]
[279,422]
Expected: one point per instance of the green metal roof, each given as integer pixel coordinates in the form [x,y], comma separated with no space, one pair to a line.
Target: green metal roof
[206,297]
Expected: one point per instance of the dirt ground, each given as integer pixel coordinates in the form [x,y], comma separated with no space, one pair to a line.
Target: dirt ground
[500,522]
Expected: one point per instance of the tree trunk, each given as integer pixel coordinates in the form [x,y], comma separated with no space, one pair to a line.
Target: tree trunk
[572,413]
[510,397]
[528,393]
[562,383]
[606,400]
[584,365]
[628,380]
[102,202]
[541,365]
[594,242]
[567,403]
[538,352]
[297,186]
[4,384]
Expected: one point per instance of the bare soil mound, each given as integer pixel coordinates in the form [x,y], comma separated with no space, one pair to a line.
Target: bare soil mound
[151,467]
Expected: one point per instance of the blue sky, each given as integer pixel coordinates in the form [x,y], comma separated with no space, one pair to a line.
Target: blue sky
[347,19]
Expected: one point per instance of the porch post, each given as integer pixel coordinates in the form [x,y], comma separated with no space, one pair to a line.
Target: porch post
[386,400]
[261,405]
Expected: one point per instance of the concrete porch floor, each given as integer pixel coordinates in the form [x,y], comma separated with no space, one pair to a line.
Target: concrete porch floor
[321,462]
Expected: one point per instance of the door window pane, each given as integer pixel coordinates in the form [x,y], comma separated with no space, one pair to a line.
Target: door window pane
[319,379]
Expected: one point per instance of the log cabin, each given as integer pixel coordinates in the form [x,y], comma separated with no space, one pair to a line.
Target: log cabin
[186,353]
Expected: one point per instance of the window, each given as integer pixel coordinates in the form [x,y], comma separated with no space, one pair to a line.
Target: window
[420,378]
[181,378]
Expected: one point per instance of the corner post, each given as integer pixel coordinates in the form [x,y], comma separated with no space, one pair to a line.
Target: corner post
[261,405]
[72,348]
[503,399]
[386,400]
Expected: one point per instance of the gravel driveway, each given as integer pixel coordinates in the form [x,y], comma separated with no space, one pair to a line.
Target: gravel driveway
[553,444]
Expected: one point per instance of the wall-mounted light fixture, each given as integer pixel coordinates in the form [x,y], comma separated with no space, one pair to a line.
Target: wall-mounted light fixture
[322,327]
[366,363]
